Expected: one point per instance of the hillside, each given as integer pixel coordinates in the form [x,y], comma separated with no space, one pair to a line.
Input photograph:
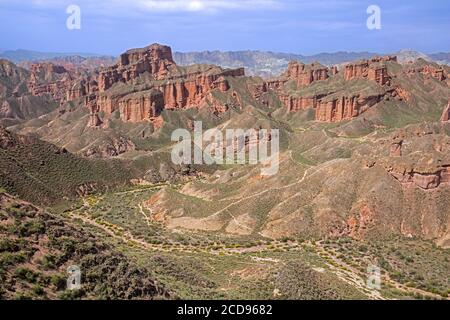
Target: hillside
[43,173]
[37,248]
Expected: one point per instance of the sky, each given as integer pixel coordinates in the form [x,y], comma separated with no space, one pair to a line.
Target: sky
[295,26]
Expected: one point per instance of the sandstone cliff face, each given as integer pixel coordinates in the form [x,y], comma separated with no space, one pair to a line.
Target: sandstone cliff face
[143,105]
[423,180]
[428,71]
[155,60]
[81,88]
[344,108]
[47,78]
[341,97]
[330,105]
[165,86]
[298,103]
[304,75]
[374,70]
[419,156]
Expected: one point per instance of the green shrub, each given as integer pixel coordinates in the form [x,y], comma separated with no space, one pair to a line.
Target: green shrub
[38,290]
[58,281]
[26,274]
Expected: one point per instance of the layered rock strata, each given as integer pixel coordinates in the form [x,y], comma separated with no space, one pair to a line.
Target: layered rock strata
[149,82]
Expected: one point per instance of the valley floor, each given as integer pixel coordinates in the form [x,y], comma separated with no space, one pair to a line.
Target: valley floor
[212,265]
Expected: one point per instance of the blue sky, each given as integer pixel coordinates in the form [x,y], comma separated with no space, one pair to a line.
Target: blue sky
[298,26]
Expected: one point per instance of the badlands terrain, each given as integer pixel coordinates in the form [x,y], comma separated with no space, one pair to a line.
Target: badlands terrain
[86,179]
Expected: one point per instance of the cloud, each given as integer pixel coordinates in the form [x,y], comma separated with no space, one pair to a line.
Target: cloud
[160,5]
[206,5]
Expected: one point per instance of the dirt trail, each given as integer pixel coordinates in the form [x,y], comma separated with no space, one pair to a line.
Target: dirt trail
[348,272]
[305,175]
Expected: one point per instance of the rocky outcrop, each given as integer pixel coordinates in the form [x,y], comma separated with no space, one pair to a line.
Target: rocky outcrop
[396,148]
[141,105]
[423,180]
[94,120]
[49,79]
[304,75]
[7,140]
[86,189]
[344,108]
[155,59]
[419,156]
[401,94]
[427,71]
[330,105]
[81,88]
[112,148]
[152,83]
[446,114]
[374,70]
[294,103]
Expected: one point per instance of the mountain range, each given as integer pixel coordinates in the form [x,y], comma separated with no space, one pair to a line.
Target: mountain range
[260,63]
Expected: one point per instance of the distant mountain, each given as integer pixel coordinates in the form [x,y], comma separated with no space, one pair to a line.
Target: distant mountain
[406,55]
[268,64]
[441,57]
[75,62]
[260,63]
[264,63]
[21,55]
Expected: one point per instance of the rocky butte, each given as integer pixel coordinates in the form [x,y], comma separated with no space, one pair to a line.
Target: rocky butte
[338,95]
[146,81]
[330,106]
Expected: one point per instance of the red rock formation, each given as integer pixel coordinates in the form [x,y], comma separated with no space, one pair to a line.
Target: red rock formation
[81,88]
[168,87]
[141,106]
[304,75]
[94,120]
[428,71]
[374,70]
[356,70]
[445,174]
[423,180]
[401,94]
[46,71]
[446,114]
[49,79]
[396,148]
[344,108]
[294,104]
[155,59]
[334,70]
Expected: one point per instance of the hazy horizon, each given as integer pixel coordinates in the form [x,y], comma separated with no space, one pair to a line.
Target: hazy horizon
[3,50]
[302,27]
